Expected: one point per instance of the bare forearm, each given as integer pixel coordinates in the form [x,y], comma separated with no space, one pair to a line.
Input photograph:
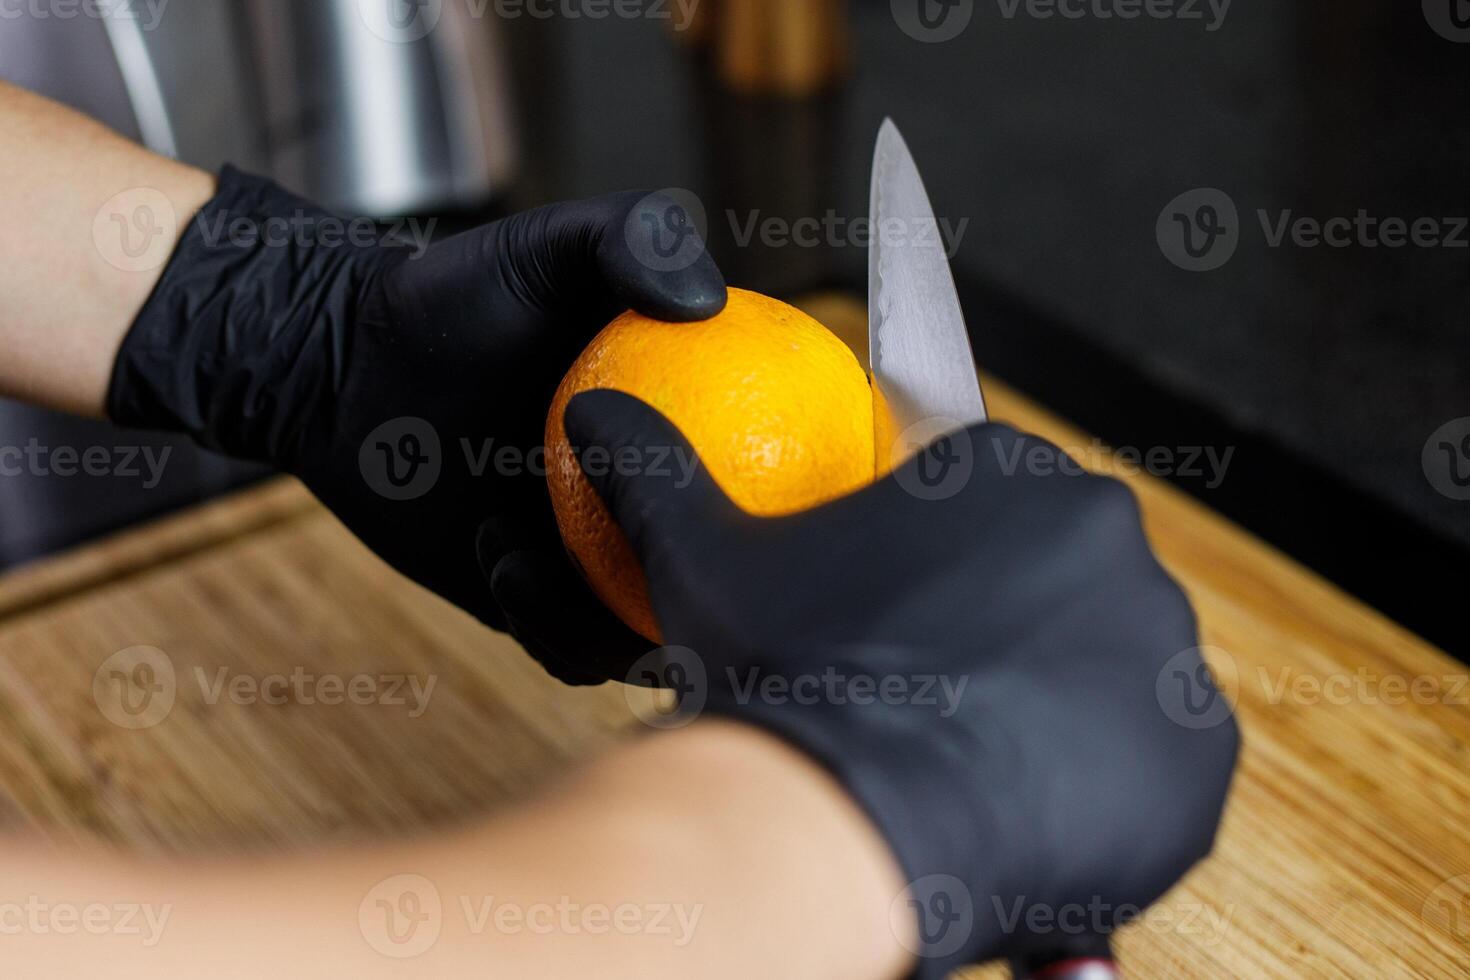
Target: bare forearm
[712,852]
[90,221]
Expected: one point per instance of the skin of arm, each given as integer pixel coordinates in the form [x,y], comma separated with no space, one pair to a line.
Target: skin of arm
[69,289]
[761,864]
[722,852]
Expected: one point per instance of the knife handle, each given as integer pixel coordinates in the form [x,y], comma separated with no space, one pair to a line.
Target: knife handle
[1080,958]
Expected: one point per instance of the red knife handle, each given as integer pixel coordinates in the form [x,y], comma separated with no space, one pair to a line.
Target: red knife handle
[1082,958]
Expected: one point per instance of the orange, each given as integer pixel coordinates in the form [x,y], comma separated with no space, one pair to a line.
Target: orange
[776,406]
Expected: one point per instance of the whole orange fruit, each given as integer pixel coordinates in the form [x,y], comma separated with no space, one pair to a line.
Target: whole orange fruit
[777,407]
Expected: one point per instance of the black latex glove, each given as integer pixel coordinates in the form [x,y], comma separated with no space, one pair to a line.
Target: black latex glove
[275,336]
[1065,772]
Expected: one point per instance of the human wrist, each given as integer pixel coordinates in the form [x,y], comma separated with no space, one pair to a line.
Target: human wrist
[909,772]
[768,816]
[239,336]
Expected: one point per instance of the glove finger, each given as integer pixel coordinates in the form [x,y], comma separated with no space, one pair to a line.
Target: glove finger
[549,661]
[498,536]
[493,543]
[490,614]
[550,603]
[666,496]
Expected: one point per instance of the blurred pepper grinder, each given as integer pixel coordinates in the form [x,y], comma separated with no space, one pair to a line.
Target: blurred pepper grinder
[769,101]
[789,48]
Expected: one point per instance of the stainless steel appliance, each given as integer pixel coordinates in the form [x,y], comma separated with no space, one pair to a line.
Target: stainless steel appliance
[376,107]
[383,107]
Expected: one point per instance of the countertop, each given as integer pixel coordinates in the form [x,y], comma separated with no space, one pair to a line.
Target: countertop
[1344,850]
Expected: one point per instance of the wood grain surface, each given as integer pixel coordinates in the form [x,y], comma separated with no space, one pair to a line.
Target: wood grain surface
[1345,850]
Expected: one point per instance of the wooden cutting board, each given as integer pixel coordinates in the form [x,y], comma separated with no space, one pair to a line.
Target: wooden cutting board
[1345,850]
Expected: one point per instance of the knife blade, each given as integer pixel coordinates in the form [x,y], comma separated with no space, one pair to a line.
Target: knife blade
[923,369]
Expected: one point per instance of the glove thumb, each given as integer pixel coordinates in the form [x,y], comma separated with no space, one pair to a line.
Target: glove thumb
[654,259]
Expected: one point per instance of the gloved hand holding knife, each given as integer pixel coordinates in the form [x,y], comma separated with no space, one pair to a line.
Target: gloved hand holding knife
[980,640]
[978,668]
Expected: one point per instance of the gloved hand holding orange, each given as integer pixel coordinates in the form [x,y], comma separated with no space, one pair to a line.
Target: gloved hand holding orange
[777,407]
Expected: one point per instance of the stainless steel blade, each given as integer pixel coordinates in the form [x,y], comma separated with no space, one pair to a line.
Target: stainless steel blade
[918,348]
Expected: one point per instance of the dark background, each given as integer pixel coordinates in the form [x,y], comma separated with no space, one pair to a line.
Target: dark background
[1324,369]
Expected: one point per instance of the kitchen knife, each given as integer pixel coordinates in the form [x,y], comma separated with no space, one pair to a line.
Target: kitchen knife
[925,387]
[923,370]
